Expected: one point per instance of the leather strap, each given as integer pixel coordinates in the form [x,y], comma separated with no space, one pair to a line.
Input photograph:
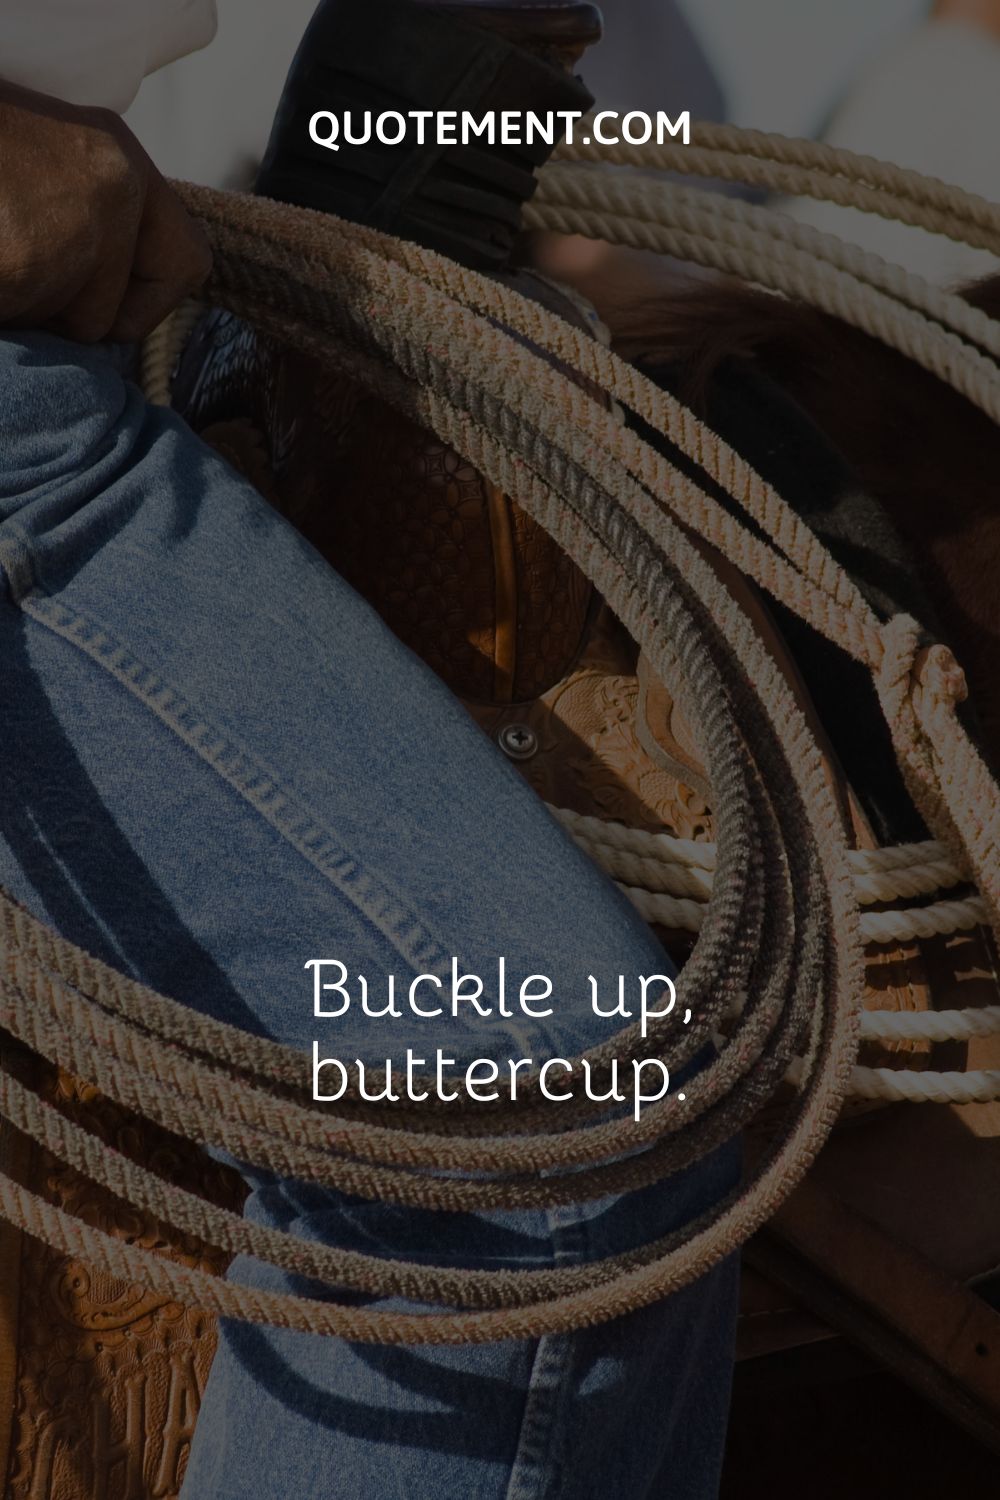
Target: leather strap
[929,1329]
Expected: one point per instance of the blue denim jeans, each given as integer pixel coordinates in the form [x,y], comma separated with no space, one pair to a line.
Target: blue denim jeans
[218,764]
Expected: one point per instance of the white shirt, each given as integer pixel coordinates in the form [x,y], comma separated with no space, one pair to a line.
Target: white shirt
[97,51]
[207,119]
[932,103]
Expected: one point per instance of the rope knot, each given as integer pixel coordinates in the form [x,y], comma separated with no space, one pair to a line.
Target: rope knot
[920,687]
[907,665]
[939,674]
[896,671]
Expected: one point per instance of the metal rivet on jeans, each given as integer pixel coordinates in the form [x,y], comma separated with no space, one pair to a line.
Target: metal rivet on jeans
[518,741]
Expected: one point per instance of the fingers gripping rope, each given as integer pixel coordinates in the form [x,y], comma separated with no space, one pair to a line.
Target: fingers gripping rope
[780,923]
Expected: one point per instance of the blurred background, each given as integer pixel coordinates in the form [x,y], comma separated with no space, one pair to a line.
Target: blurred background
[910,81]
[777,64]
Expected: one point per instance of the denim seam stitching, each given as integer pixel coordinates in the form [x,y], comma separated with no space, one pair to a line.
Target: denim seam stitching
[530,1473]
[258,787]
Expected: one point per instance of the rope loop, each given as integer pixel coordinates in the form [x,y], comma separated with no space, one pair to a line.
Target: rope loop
[910,668]
[494,376]
[894,674]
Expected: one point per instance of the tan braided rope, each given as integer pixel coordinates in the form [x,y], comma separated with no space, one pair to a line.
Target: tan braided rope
[641,203]
[670,879]
[811,169]
[161,348]
[781,922]
[918,687]
[927,325]
[661,862]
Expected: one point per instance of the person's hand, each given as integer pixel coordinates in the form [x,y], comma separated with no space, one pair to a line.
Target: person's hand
[93,242]
[982,13]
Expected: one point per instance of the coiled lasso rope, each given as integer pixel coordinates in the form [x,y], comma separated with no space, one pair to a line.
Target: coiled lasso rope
[779,950]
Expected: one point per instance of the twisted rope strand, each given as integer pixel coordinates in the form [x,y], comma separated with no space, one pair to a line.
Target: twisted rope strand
[606,199]
[811,169]
[779,953]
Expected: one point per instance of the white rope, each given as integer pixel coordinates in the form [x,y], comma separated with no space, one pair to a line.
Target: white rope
[938,920]
[620,836]
[905,882]
[914,1025]
[656,202]
[811,169]
[761,258]
[906,1086]
[683,867]
[701,854]
[942,919]
[930,1025]
[677,881]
